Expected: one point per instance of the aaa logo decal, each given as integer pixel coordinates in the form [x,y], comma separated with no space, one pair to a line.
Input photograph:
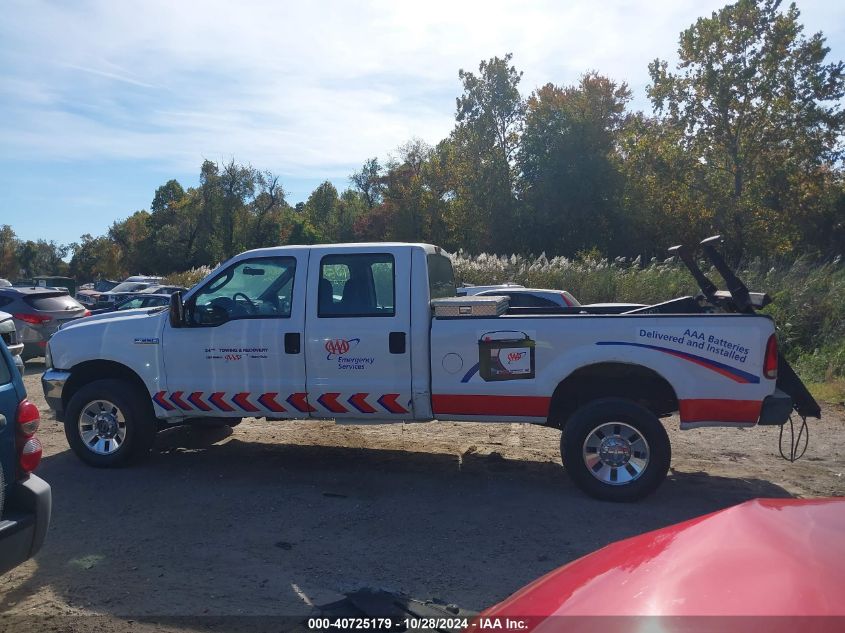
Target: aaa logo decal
[515,356]
[338,346]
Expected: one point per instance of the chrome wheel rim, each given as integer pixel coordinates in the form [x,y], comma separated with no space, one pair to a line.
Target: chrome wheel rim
[616,453]
[102,427]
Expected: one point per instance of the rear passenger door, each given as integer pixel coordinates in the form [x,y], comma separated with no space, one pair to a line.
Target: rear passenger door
[357,327]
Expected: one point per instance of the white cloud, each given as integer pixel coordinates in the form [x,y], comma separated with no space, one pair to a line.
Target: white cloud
[307,89]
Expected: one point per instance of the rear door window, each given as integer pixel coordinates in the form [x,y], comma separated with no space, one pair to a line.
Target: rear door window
[49,302]
[359,285]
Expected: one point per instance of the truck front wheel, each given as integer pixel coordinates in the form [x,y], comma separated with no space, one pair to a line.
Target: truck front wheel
[108,423]
[615,450]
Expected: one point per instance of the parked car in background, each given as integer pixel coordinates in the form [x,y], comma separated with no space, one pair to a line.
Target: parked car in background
[521,297]
[25,499]
[5,283]
[467,290]
[169,290]
[125,289]
[89,294]
[139,300]
[38,313]
[68,284]
[533,297]
[9,334]
[763,558]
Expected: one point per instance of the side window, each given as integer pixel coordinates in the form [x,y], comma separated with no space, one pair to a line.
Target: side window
[251,289]
[5,373]
[356,285]
[441,278]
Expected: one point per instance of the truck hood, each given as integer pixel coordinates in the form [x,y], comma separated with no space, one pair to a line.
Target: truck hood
[110,315]
[111,336]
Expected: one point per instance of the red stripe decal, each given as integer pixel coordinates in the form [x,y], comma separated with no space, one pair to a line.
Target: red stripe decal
[388,401]
[160,401]
[217,400]
[196,400]
[176,398]
[359,401]
[747,411]
[525,406]
[241,400]
[299,401]
[268,400]
[329,401]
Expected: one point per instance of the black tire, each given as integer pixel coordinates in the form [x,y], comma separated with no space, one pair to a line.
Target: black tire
[139,422]
[644,467]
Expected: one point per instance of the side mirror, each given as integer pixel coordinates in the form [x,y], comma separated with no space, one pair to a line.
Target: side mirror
[177,310]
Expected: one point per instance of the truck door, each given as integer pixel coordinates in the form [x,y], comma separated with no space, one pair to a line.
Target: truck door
[357,326]
[240,353]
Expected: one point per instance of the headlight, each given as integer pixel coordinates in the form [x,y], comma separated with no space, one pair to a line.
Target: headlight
[48,357]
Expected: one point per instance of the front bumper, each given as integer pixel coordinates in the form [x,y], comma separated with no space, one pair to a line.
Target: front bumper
[26,518]
[53,383]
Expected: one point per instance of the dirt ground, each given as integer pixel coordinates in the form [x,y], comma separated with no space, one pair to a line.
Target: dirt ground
[271,516]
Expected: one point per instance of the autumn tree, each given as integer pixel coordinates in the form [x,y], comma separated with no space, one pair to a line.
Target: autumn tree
[755,101]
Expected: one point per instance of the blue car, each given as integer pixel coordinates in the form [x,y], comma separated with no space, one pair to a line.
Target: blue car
[25,500]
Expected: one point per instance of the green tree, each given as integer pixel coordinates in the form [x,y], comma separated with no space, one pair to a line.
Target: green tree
[752,93]
[8,252]
[485,140]
[571,181]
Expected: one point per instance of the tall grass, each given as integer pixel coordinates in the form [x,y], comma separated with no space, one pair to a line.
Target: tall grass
[808,298]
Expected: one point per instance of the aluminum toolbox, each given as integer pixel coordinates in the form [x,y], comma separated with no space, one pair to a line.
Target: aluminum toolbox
[487,306]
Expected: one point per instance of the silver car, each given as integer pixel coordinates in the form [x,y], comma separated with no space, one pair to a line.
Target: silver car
[9,334]
[37,314]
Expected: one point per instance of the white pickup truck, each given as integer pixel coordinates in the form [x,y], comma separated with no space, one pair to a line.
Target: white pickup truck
[374,333]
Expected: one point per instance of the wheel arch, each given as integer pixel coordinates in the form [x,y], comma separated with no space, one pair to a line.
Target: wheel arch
[87,372]
[635,382]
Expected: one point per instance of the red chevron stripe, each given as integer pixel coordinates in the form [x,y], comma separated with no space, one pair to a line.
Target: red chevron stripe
[241,400]
[217,400]
[176,398]
[268,401]
[299,401]
[329,401]
[359,401]
[196,400]
[388,401]
[160,401]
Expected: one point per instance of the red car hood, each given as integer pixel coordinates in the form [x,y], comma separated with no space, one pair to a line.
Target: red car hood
[771,557]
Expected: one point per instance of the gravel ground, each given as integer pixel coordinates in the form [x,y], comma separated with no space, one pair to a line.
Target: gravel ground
[271,516]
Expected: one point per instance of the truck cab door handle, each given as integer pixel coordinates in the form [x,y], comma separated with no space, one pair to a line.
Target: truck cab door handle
[397,342]
[292,343]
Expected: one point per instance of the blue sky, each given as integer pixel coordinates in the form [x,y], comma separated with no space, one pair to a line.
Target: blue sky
[103,101]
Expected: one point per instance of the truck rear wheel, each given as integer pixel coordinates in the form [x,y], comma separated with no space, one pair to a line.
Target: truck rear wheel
[615,450]
[108,423]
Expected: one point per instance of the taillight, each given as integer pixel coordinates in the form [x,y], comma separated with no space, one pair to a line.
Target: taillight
[29,447]
[87,313]
[29,418]
[30,455]
[33,319]
[770,364]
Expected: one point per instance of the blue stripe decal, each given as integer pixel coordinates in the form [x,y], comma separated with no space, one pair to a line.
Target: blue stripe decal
[744,375]
[472,371]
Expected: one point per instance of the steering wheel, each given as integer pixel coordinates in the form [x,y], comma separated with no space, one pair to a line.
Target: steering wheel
[252,307]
